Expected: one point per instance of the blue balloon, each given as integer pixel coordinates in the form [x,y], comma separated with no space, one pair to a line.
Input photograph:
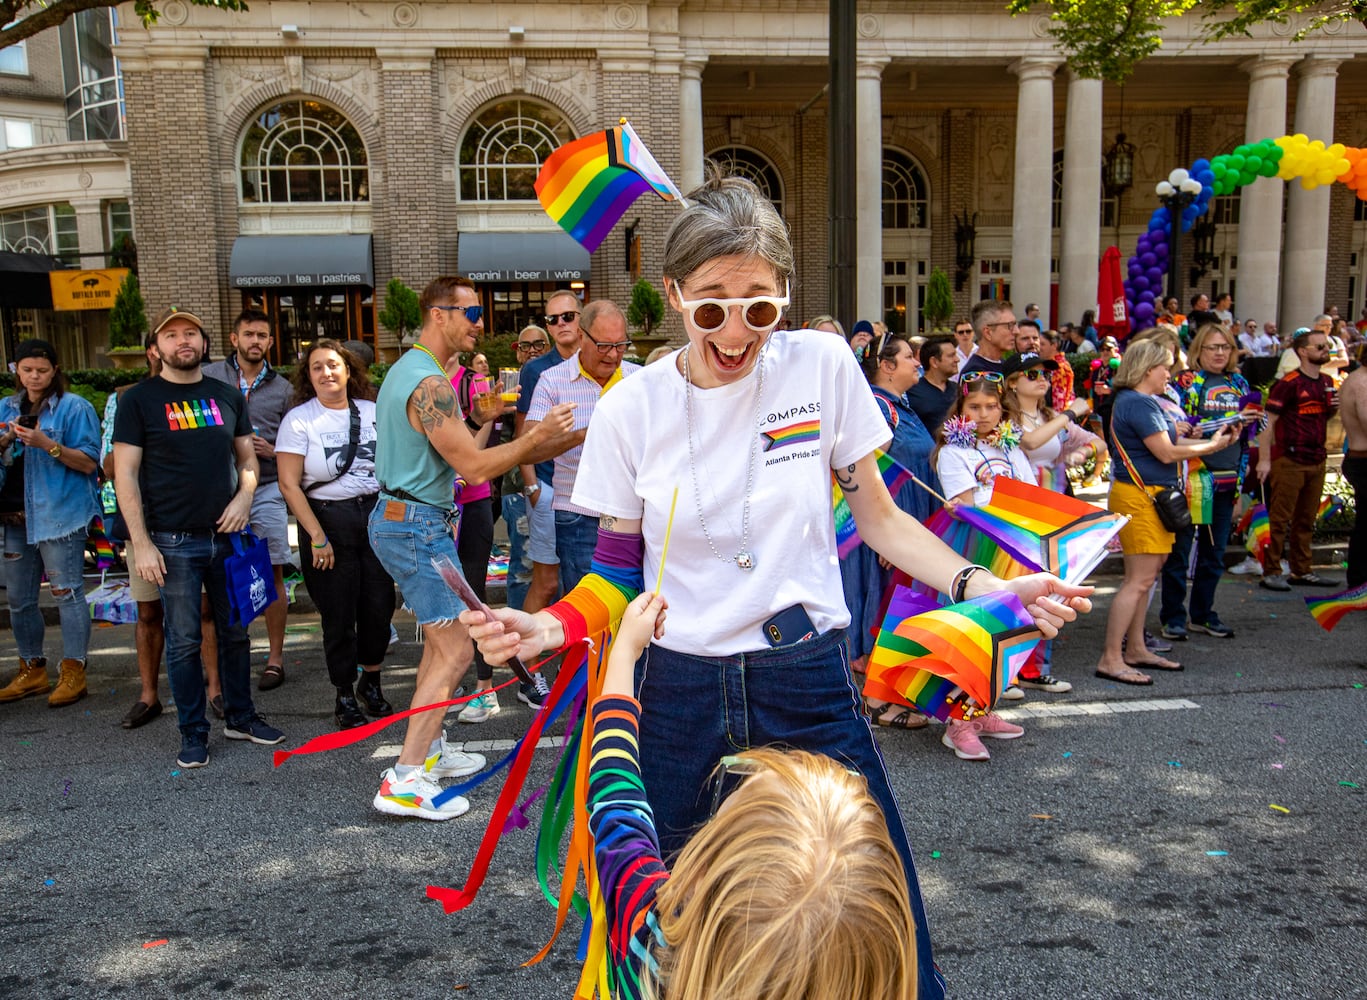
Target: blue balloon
[1200,165]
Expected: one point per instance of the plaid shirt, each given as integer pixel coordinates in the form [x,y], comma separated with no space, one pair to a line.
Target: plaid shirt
[1303,407]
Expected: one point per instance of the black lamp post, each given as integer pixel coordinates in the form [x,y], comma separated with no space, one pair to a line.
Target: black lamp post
[1176,193]
[1203,242]
[965,235]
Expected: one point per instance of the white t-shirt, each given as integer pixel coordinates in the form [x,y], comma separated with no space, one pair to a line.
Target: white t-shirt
[816,413]
[962,469]
[321,436]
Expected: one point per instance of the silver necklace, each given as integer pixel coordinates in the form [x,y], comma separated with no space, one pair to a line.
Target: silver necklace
[743,558]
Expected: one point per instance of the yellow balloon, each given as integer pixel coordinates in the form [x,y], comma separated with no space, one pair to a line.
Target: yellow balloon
[1308,183]
[1336,149]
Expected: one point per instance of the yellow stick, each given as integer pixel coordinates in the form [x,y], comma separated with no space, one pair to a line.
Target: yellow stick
[669,529]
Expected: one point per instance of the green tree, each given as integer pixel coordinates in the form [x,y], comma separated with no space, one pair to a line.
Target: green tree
[25,18]
[647,308]
[939,299]
[400,313]
[1108,38]
[128,315]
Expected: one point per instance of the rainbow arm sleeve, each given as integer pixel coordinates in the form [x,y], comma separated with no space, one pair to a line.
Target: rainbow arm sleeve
[596,604]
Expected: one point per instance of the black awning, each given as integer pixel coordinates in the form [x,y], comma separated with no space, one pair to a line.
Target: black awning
[301,261]
[23,280]
[549,256]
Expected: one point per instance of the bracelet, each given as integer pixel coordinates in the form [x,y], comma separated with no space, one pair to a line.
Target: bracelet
[960,582]
[317,546]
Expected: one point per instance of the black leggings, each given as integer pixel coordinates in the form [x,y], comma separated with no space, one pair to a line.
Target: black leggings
[355,598]
[473,545]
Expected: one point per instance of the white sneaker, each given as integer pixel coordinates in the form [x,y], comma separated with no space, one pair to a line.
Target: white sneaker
[452,763]
[412,796]
[480,709]
[1013,693]
[1249,567]
[1046,682]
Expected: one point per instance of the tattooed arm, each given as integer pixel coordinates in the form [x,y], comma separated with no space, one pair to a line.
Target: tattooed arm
[433,412]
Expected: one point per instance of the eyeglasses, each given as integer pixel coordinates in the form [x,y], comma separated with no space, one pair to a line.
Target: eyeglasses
[1009,323]
[964,331]
[758,312]
[1216,347]
[531,346]
[970,381]
[1036,375]
[472,313]
[564,317]
[606,349]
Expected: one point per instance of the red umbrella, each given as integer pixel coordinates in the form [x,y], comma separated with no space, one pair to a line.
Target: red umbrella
[1113,319]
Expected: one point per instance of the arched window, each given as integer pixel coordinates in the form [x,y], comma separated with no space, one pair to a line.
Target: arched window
[504,148]
[1109,206]
[302,151]
[756,167]
[905,192]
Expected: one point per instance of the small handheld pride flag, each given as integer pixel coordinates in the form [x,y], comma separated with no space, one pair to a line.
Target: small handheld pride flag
[1329,611]
[895,476]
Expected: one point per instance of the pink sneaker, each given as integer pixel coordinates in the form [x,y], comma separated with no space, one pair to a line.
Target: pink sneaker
[996,727]
[962,738]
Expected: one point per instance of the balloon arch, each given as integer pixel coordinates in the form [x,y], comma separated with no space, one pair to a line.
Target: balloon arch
[1292,157]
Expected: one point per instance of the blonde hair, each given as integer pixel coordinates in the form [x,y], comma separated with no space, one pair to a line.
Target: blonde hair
[792,891]
[1139,360]
[1198,342]
[816,321]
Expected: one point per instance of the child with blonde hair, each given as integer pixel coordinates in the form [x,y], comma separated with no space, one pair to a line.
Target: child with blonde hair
[791,889]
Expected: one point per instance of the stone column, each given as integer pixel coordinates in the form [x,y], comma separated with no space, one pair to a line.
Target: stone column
[691,150]
[1307,213]
[868,101]
[90,232]
[1032,200]
[1080,229]
[1260,203]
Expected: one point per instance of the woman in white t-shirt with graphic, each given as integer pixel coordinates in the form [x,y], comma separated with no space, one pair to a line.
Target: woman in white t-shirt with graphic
[746,425]
[326,457]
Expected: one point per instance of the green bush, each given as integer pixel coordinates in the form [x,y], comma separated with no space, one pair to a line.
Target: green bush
[97,397]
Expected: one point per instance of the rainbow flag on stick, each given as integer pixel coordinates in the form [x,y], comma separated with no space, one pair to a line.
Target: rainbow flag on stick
[1329,611]
[1045,530]
[940,659]
[846,537]
[1255,525]
[586,185]
[1329,506]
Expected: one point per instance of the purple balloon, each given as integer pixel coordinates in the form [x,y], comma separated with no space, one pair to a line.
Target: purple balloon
[1147,296]
[1143,312]
[1155,276]
[1141,284]
[1148,260]
[1161,251]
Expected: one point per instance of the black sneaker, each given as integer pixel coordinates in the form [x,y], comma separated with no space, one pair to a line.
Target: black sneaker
[371,697]
[347,713]
[257,731]
[193,753]
[1213,627]
[534,695]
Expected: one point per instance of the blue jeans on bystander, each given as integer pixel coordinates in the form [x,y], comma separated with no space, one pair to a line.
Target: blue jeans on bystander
[1210,540]
[64,561]
[576,536]
[519,560]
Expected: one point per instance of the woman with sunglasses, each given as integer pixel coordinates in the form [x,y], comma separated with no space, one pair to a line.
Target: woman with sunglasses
[892,370]
[746,428]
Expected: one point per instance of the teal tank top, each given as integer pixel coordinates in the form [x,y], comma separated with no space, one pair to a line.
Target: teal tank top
[404,459]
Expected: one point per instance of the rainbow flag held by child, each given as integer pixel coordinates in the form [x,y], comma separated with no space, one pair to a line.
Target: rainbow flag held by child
[941,659]
[586,185]
[1255,525]
[895,476]
[1329,611]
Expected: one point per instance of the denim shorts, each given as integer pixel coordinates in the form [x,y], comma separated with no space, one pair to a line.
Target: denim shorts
[541,528]
[407,537]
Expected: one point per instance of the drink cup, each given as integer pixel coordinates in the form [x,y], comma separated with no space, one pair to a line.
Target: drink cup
[507,380]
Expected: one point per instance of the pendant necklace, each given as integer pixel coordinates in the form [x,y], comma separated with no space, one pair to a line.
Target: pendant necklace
[743,558]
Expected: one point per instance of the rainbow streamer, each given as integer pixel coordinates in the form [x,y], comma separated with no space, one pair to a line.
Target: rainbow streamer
[1200,493]
[949,662]
[846,536]
[1329,611]
[973,545]
[586,185]
[1045,530]
[1255,525]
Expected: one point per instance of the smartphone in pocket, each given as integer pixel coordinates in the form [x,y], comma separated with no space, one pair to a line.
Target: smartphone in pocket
[789,626]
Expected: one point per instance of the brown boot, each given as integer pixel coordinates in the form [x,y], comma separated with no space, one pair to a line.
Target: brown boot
[70,684]
[31,679]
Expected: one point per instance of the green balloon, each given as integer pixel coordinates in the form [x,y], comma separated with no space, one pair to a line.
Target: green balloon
[1269,168]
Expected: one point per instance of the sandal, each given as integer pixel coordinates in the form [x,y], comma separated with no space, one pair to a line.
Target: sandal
[906,718]
[272,677]
[1157,663]
[1128,676]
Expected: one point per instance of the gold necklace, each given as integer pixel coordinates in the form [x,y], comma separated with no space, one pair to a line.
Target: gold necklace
[424,350]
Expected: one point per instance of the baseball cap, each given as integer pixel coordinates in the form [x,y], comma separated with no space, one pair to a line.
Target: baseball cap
[1020,362]
[174,312]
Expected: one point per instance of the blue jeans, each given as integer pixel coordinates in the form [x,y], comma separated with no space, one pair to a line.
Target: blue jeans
[64,561]
[407,537]
[699,709]
[519,562]
[576,536]
[1210,540]
[194,563]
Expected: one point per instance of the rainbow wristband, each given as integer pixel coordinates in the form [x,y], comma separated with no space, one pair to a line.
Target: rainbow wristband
[317,546]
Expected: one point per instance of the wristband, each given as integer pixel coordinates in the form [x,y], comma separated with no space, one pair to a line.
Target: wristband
[317,546]
[960,582]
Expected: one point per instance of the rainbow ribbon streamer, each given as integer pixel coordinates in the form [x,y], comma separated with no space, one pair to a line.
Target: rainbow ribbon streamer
[949,662]
[586,185]
[895,476]
[1255,525]
[1329,611]
[1045,530]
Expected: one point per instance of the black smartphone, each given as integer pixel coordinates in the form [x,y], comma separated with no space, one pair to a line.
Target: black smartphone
[789,626]
[29,420]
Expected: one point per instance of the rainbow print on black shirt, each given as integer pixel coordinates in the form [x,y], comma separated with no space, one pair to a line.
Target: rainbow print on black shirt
[800,433]
[192,414]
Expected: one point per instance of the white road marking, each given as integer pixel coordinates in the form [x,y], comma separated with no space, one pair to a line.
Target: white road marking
[1051,711]
[388,750]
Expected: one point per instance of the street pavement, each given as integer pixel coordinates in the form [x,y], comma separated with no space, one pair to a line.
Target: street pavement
[1198,838]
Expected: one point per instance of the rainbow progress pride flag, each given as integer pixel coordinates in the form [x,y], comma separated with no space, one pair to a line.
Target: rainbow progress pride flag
[1255,525]
[846,537]
[1329,611]
[586,185]
[939,659]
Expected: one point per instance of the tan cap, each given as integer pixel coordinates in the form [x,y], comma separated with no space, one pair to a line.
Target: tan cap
[174,312]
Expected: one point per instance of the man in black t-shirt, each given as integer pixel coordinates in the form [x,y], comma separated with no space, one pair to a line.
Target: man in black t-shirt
[995,323]
[932,397]
[185,475]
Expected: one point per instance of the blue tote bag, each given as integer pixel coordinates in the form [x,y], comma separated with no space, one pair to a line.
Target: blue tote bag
[251,581]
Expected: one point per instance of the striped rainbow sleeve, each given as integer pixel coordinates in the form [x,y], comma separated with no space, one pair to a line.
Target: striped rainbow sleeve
[596,604]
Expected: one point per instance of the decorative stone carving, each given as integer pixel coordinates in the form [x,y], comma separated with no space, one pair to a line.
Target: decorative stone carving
[84,179]
[175,12]
[623,16]
[294,71]
[1039,27]
[405,15]
[517,67]
[870,26]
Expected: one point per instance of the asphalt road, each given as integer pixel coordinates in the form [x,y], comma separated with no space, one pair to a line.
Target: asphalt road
[1132,848]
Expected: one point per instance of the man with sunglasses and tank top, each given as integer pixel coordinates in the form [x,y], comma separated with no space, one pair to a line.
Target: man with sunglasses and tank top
[582,379]
[995,323]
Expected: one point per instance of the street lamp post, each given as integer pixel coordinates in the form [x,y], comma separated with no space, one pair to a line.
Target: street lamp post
[1176,193]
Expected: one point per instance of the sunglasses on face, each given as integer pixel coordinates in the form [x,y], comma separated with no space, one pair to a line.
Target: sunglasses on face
[760,313]
[972,381]
[564,317]
[1036,375]
[606,349]
[472,313]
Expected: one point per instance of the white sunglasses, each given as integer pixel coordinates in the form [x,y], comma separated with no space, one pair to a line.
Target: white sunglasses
[759,312]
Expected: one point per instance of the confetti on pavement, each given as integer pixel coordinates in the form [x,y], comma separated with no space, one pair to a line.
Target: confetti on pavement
[1217,854]
[157,943]
[1280,809]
